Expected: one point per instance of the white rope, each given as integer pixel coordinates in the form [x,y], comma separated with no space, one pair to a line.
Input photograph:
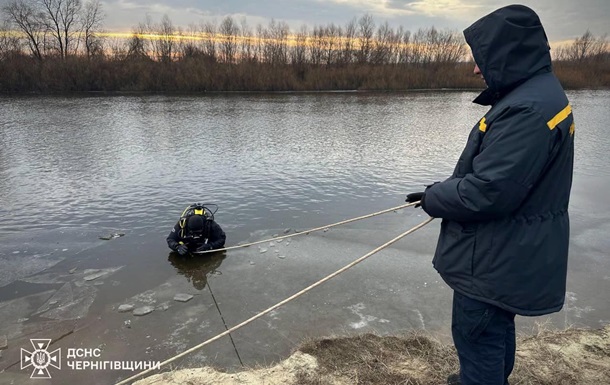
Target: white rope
[311,230]
[277,305]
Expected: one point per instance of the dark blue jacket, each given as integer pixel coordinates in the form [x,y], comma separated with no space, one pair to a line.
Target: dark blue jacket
[505,229]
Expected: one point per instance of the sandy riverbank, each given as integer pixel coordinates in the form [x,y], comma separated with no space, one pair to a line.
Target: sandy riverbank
[573,356]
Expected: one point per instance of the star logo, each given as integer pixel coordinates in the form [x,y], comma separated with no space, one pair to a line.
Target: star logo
[40,359]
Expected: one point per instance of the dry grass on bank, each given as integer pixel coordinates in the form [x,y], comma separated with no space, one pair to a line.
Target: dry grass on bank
[372,359]
[570,357]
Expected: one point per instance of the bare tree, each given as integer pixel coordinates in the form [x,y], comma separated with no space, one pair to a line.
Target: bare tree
[138,45]
[366,29]
[29,21]
[276,43]
[9,43]
[92,20]
[228,39]
[316,48]
[181,39]
[347,53]
[382,45]
[454,47]
[209,40]
[396,39]
[298,54]
[420,50]
[434,46]
[117,48]
[332,41]
[405,51]
[189,45]
[602,51]
[584,48]
[4,34]
[62,20]
[259,45]
[164,41]
[247,46]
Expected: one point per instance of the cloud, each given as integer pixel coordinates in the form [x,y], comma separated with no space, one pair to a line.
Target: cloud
[445,8]
[563,19]
[379,7]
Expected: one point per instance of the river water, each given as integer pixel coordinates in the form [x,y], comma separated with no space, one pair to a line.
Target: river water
[79,168]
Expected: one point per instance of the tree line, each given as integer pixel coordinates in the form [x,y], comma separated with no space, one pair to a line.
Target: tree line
[61,45]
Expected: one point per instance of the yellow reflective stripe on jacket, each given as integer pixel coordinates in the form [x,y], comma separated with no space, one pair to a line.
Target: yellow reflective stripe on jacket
[572,128]
[482,125]
[560,117]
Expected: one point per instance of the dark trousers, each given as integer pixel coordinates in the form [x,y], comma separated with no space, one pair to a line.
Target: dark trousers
[484,336]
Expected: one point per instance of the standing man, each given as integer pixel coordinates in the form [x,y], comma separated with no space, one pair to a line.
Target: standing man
[503,244]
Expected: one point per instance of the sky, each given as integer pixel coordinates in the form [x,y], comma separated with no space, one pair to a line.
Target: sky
[563,19]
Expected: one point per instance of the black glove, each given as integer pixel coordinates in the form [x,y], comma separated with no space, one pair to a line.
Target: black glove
[204,247]
[182,249]
[414,197]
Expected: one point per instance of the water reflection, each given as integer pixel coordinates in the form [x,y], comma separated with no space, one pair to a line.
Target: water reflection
[197,268]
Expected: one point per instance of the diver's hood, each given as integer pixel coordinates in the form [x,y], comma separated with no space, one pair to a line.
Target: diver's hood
[195,224]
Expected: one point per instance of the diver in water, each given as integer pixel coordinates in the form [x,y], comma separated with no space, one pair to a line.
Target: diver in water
[196,231]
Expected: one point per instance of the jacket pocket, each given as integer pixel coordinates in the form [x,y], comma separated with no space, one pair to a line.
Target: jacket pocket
[472,316]
[454,252]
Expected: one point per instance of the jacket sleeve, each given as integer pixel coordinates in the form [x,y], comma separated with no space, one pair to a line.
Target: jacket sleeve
[513,153]
[173,239]
[217,237]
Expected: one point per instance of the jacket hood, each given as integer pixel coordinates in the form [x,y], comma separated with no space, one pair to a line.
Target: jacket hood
[510,46]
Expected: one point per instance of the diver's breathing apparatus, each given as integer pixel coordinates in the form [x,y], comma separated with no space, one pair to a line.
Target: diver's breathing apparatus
[202,209]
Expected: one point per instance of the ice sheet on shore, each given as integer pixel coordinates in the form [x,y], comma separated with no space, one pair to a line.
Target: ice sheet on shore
[69,302]
[13,268]
[27,253]
[16,311]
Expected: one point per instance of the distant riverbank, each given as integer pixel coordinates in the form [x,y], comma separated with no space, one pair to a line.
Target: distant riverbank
[24,74]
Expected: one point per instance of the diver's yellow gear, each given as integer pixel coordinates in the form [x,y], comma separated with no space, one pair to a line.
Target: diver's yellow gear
[194,209]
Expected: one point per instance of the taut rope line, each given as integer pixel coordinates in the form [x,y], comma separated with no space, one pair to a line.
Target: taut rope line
[277,305]
[311,230]
[225,324]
